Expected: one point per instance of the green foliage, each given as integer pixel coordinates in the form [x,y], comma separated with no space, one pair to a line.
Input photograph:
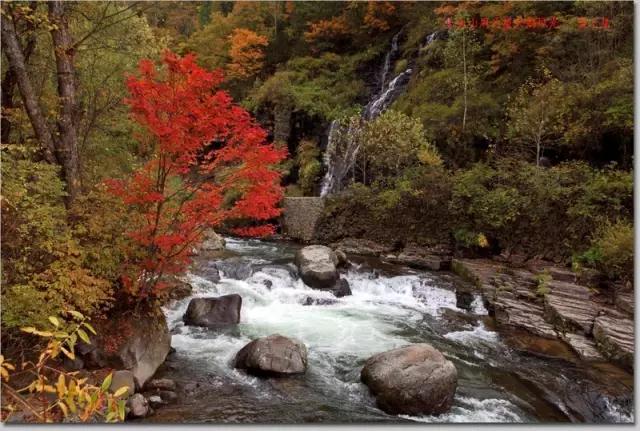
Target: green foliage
[309,166]
[612,250]
[393,141]
[542,280]
[48,265]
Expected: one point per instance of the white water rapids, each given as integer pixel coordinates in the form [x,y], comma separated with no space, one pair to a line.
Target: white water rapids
[386,310]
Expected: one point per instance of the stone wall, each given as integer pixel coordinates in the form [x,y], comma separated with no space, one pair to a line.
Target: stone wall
[300,217]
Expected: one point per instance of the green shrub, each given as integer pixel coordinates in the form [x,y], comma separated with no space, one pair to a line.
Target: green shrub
[612,251]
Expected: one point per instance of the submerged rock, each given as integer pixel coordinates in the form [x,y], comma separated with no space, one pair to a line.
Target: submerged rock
[341,288]
[274,355]
[416,379]
[235,267]
[319,301]
[317,266]
[214,312]
[615,339]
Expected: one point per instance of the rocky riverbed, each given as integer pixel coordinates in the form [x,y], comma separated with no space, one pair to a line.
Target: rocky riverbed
[519,356]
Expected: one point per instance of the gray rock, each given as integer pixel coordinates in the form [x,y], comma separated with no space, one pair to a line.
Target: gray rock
[420,260]
[583,346]
[416,379]
[123,378]
[214,312]
[142,347]
[518,313]
[138,406]
[73,365]
[317,266]
[570,308]
[161,384]
[624,301]
[363,247]
[615,339]
[274,355]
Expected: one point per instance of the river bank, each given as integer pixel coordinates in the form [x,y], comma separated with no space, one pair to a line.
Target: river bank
[507,373]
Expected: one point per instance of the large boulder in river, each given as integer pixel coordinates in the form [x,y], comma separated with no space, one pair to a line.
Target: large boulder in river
[274,355]
[212,241]
[416,379]
[214,312]
[317,266]
[138,342]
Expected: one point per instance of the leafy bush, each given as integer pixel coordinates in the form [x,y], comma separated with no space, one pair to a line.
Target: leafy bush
[44,268]
[612,251]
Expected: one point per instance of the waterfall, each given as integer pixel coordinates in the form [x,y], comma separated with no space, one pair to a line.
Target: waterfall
[339,156]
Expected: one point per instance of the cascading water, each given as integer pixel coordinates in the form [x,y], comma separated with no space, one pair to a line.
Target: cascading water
[338,163]
[391,306]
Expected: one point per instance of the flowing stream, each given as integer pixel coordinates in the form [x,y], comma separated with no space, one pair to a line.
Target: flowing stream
[391,306]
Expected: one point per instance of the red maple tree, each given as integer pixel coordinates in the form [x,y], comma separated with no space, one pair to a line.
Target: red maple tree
[210,163]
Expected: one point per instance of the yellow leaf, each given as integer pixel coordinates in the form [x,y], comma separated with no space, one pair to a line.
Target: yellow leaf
[121,391]
[28,329]
[68,354]
[54,320]
[63,407]
[83,336]
[61,385]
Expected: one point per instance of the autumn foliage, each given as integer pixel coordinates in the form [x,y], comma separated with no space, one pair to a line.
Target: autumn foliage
[210,165]
[247,53]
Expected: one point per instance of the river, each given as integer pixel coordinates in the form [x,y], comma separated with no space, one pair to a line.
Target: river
[391,306]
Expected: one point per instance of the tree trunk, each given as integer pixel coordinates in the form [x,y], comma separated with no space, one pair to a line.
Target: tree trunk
[16,59]
[464,67]
[63,50]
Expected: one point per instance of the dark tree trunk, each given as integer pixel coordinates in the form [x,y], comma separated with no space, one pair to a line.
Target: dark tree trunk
[8,85]
[68,144]
[15,56]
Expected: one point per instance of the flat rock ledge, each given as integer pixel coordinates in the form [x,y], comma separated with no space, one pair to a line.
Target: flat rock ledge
[615,339]
[571,312]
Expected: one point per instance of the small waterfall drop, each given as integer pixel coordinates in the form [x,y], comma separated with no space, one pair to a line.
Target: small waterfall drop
[340,156]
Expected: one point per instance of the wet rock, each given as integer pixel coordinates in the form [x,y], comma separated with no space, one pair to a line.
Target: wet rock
[584,347]
[480,272]
[569,307]
[142,342]
[342,258]
[317,266]
[268,284]
[138,406]
[161,384]
[614,338]
[319,301]
[341,288]
[123,378]
[416,379]
[211,273]
[464,298]
[458,321]
[274,355]
[179,289]
[214,312]
[518,313]
[541,347]
[236,268]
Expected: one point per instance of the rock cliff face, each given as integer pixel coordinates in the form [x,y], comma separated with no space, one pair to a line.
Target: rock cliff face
[300,217]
